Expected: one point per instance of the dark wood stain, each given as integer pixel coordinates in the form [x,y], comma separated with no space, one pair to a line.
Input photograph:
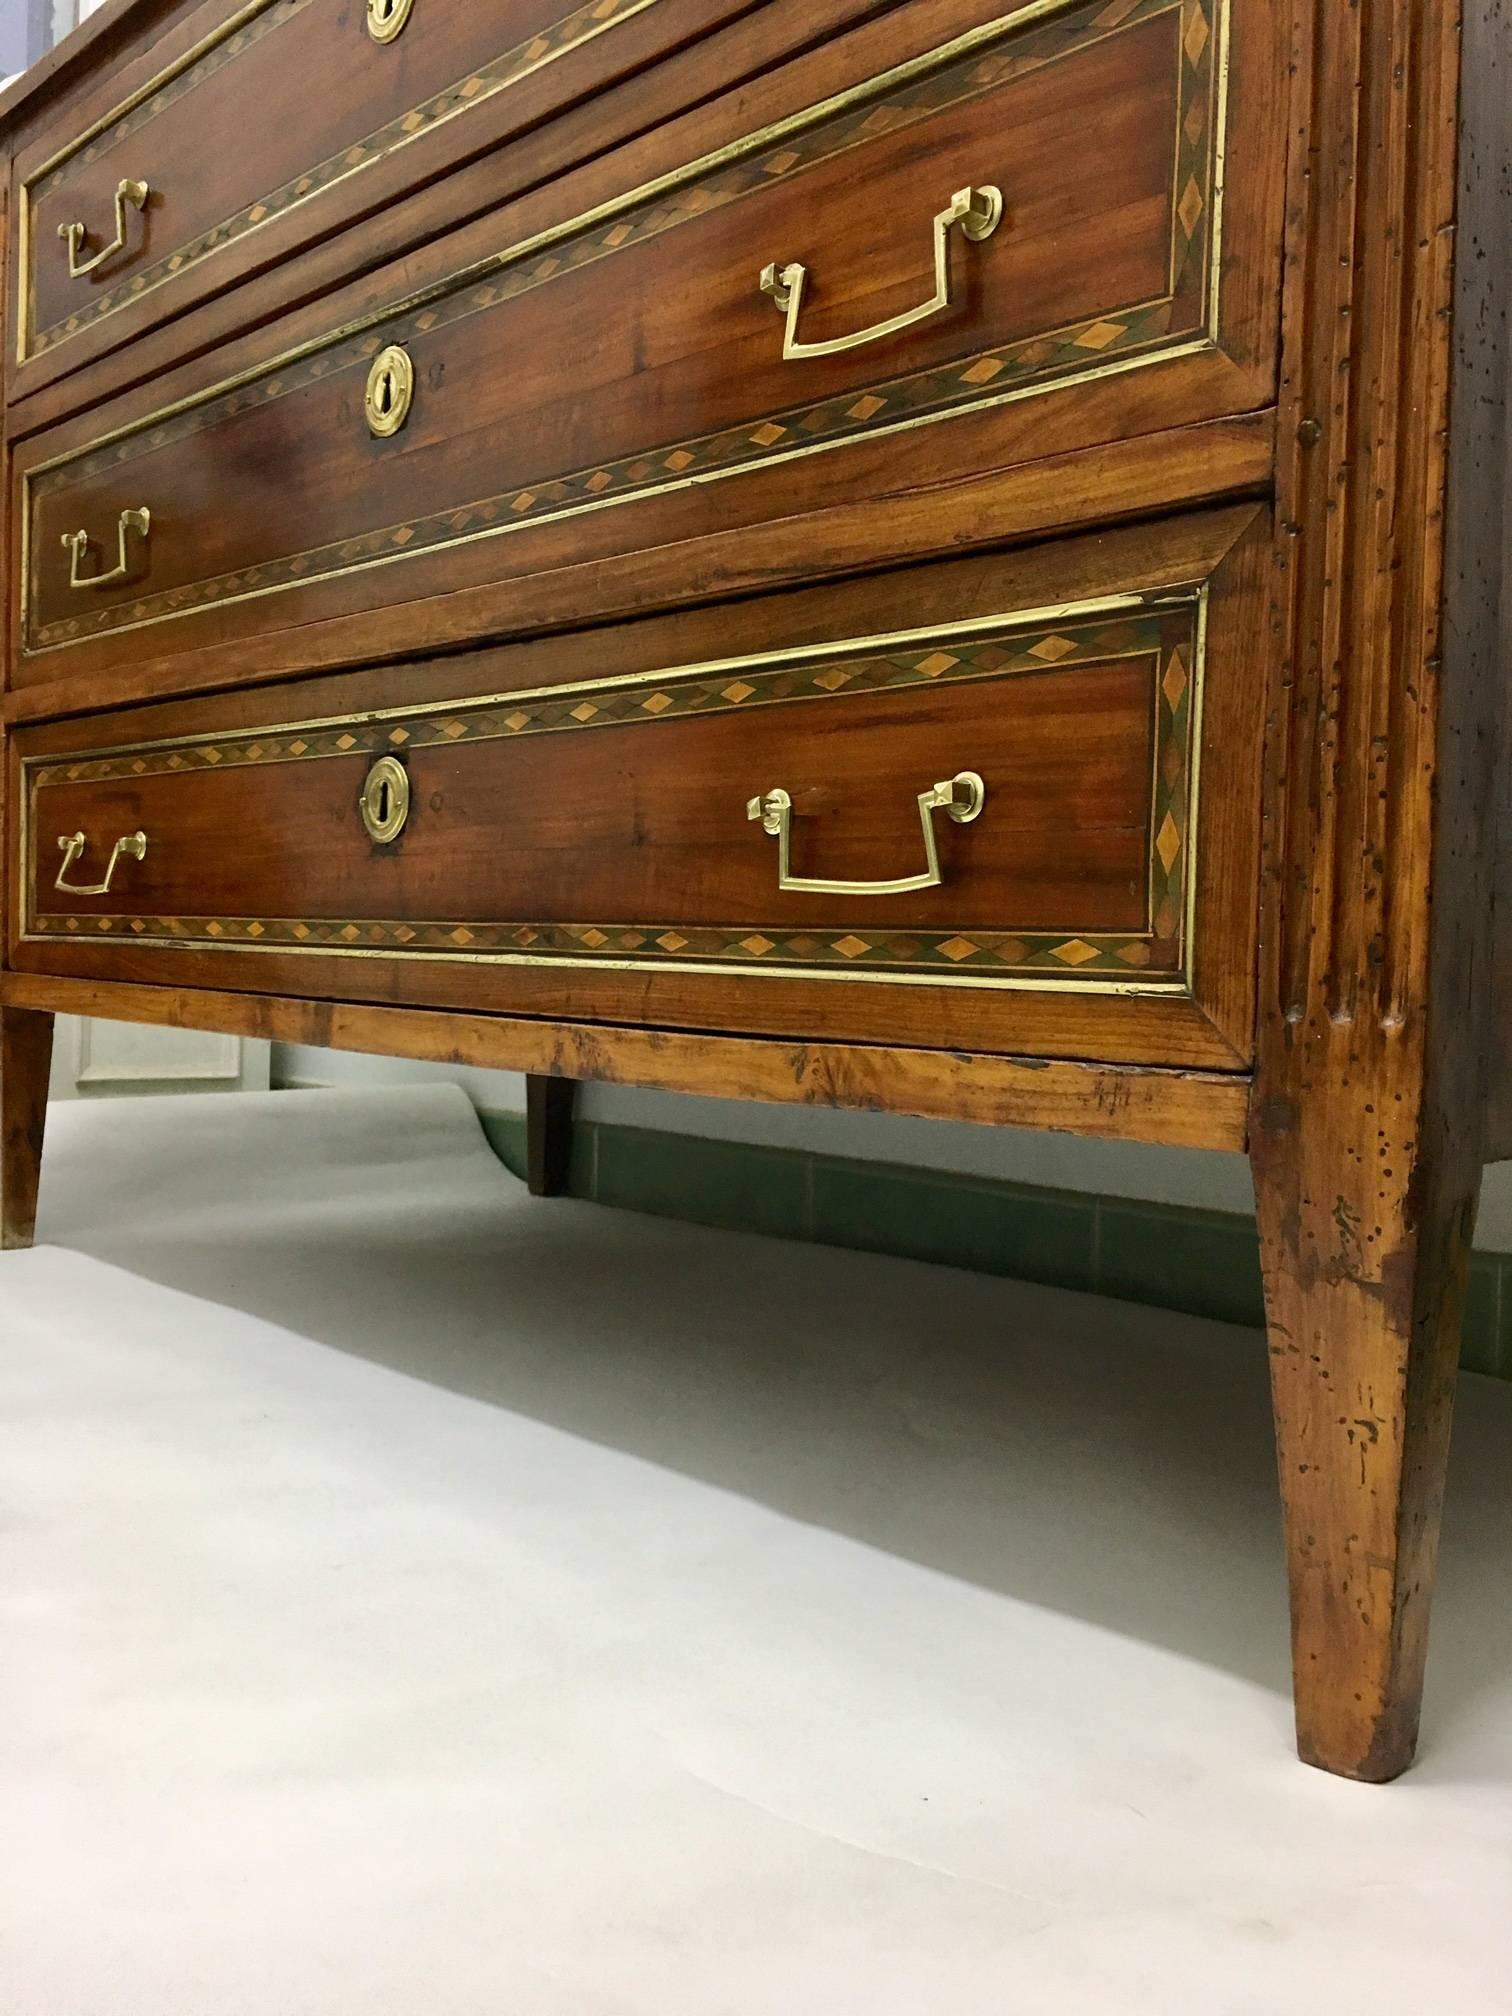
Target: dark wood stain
[1332,464]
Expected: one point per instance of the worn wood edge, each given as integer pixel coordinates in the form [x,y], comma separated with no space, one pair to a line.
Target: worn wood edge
[1177,550]
[1186,1109]
[1479,525]
[1089,489]
[383,225]
[114,20]
[1365,1142]
[1226,844]
[180,361]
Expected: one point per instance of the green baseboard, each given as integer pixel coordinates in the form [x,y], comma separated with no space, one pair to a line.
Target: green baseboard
[1204,1263]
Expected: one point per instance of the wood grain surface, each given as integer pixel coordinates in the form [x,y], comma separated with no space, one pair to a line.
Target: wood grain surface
[26,1044]
[1369,1099]
[592,857]
[1254,259]
[1184,1109]
[606,386]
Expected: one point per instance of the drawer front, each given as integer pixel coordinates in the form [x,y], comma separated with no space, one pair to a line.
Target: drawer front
[617,382]
[968,809]
[172,187]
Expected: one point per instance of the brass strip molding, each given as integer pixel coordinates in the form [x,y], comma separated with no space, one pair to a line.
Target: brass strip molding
[1181,323]
[1166,629]
[584,24]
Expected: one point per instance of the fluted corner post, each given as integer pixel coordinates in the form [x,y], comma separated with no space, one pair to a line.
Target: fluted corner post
[1374,985]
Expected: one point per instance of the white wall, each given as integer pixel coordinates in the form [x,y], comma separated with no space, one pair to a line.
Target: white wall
[1116,1168]
[94,1060]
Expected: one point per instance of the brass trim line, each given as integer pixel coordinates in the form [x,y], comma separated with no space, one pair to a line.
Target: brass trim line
[948,53]
[1170,597]
[1198,347]
[1177,985]
[223,33]
[26,318]
[1171,594]
[647,192]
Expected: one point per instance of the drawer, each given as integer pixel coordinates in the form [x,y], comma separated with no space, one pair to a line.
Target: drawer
[961,800]
[136,201]
[622,380]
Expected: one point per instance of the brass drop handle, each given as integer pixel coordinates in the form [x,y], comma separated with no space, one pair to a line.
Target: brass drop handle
[386,18]
[961,798]
[130,195]
[76,545]
[73,845]
[978,212]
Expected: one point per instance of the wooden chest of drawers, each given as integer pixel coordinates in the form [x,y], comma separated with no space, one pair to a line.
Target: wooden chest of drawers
[934,554]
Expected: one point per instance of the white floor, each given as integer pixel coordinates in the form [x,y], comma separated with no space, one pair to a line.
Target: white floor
[420,1600]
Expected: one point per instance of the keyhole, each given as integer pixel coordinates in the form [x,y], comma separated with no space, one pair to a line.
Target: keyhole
[390,388]
[386,801]
[386,18]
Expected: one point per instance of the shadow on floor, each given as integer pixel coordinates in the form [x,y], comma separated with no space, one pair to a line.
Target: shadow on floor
[1103,1461]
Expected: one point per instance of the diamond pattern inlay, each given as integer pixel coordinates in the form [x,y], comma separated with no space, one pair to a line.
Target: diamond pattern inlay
[1191,207]
[1195,40]
[1168,843]
[1173,685]
[1165,637]
[1098,335]
[1021,366]
[512,66]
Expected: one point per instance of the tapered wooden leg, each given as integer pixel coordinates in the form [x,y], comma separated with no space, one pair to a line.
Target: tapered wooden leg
[1366,1221]
[549,1104]
[1379,818]
[26,1041]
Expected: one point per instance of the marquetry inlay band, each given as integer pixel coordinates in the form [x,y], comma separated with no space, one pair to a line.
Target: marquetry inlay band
[562,38]
[1109,340]
[1167,636]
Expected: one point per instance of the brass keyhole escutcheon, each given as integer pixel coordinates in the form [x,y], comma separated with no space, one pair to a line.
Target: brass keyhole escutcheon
[386,18]
[390,392]
[386,800]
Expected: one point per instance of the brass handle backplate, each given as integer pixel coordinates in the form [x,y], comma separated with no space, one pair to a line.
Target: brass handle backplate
[390,391]
[386,18]
[130,195]
[76,545]
[978,212]
[386,800]
[960,797]
[73,845]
